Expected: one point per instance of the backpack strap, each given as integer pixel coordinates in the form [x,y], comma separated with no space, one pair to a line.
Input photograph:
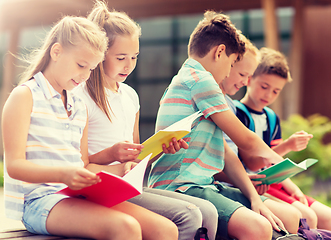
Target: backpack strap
[243,108]
[271,116]
[272,119]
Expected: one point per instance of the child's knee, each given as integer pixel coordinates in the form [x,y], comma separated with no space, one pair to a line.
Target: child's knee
[192,216]
[166,230]
[259,228]
[126,227]
[190,220]
[209,212]
[246,224]
[310,216]
[209,218]
[291,223]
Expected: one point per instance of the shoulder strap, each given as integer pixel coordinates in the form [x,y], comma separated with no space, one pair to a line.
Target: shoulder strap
[272,118]
[243,108]
[271,115]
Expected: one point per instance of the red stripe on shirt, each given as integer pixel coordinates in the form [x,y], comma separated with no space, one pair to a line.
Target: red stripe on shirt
[194,75]
[203,165]
[176,100]
[214,108]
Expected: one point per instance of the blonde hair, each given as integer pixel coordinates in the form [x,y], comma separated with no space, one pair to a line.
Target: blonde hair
[251,48]
[273,62]
[114,24]
[213,30]
[69,31]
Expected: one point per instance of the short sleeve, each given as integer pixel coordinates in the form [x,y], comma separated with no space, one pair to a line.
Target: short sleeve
[133,96]
[208,97]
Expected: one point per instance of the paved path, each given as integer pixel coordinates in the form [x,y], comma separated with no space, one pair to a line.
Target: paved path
[6,223]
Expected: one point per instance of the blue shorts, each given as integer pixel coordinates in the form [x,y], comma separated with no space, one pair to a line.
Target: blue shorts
[36,212]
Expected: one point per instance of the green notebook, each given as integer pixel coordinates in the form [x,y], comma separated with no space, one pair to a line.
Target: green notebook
[285,169]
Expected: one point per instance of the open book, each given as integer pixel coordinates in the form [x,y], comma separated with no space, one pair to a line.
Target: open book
[113,189]
[283,170]
[177,130]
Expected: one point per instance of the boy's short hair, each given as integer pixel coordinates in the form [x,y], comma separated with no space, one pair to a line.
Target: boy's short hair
[273,62]
[215,29]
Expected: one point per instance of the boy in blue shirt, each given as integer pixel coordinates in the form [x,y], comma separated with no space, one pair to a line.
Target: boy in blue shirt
[263,89]
[214,46]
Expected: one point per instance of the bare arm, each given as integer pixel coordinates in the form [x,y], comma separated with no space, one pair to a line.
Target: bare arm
[136,134]
[118,169]
[261,189]
[296,142]
[293,190]
[237,174]
[15,126]
[257,153]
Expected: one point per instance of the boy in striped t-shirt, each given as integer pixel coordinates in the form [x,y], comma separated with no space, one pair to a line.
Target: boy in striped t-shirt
[214,46]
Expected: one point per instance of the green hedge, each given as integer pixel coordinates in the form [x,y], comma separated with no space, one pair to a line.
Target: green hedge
[319,126]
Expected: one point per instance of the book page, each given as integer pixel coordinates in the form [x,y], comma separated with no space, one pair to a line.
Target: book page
[136,176]
[177,130]
[307,163]
[283,170]
[112,189]
[184,124]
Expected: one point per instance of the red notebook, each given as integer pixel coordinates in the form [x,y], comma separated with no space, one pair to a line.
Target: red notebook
[113,189]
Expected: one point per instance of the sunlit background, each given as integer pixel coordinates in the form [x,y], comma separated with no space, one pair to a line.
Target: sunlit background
[300,30]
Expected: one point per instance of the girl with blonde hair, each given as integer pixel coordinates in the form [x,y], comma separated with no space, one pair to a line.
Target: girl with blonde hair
[45,144]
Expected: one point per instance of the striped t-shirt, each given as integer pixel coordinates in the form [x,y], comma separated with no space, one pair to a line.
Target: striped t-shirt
[193,89]
[53,140]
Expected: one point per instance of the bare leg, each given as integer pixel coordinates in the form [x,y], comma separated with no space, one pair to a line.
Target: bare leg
[288,214]
[245,224]
[323,213]
[80,218]
[307,213]
[153,226]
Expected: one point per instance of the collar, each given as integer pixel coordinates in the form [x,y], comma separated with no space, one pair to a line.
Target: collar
[254,111]
[192,63]
[50,92]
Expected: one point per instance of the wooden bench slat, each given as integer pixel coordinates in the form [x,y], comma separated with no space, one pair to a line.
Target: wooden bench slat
[21,234]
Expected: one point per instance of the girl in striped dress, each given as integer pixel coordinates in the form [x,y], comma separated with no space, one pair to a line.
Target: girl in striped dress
[45,145]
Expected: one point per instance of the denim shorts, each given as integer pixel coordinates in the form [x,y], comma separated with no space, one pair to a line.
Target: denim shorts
[36,212]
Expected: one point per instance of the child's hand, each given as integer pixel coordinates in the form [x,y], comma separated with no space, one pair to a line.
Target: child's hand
[128,166]
[261,189]
[298,141]
[272,218]
[174,146]
[294,191]
[125,151]
[298,195]
[78,178]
